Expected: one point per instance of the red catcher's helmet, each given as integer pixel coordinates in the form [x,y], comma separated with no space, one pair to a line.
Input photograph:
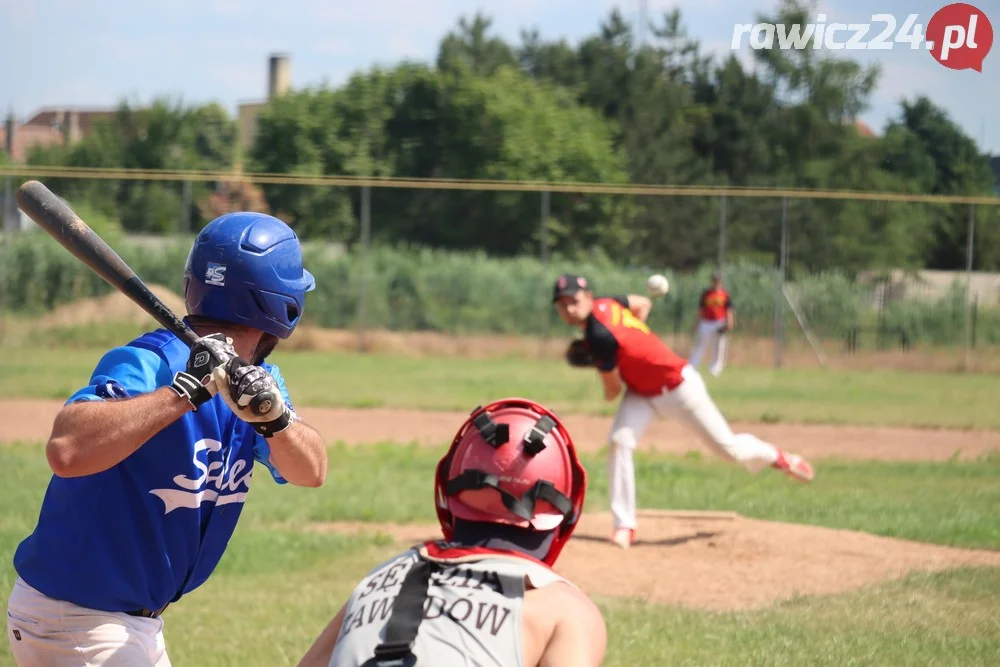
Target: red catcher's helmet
[512,462]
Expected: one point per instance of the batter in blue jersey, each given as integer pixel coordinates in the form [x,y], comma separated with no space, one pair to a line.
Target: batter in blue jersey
[154,458]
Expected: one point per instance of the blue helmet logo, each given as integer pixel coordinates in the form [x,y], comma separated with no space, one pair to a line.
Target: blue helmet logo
[247,268]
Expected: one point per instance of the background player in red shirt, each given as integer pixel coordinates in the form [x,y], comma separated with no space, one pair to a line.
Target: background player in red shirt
[715,320]
[656,382]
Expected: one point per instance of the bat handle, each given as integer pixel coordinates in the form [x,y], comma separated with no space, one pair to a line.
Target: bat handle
[262,403]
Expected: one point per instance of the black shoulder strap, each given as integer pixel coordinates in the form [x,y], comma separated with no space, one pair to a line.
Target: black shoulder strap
[512,585]
[396,650]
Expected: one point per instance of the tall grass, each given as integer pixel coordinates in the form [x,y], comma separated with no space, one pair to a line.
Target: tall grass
[470,292]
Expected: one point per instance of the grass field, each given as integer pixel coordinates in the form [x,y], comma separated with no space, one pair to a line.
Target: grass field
[280,581]
[803,395]
[282,577]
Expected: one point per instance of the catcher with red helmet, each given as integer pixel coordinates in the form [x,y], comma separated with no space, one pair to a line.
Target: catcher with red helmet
[508,494]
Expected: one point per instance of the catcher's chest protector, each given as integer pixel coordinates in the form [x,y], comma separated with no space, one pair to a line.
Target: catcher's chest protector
[457,610]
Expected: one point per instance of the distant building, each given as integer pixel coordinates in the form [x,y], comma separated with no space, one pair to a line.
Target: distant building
[67,125]
[864,129]
[995,166]
[278,83]
[49,126]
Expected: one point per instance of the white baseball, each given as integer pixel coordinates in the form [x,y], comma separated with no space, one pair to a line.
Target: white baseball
[657,285]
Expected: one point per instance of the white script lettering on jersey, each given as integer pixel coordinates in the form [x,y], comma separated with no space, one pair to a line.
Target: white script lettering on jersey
[215,483]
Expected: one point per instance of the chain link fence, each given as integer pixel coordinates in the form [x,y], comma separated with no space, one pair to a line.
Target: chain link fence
[775,253]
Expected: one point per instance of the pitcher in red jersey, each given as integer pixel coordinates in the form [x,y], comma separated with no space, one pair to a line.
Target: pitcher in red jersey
[656,382]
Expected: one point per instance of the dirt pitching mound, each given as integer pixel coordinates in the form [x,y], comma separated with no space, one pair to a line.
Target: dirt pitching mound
[723,561]
[113,307]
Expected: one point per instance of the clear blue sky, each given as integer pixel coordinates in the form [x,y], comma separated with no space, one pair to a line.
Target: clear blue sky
[94,53]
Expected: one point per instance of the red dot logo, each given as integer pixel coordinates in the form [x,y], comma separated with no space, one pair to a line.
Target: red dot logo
[960,36]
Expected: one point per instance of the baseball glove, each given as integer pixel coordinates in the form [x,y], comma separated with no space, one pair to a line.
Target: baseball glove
[723,329]
[579,355]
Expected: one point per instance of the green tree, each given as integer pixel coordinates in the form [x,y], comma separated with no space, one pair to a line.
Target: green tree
[164,135]
[506,127]
[553,62]
[608,109]
[418,123]
[326,131]
[470,49]
[927,149]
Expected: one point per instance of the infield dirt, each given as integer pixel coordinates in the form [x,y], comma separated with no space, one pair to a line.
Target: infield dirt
[713,561]
[723,562]
[368,426]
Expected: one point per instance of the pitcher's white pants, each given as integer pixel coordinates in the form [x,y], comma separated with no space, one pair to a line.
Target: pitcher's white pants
[44,632]
[690,401]
[708,336]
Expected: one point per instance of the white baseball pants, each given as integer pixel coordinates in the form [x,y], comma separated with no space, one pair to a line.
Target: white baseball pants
[690,401]
[44,632]
[708,336]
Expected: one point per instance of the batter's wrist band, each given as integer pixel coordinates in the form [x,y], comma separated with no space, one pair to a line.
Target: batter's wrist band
[188,387]
[268,429]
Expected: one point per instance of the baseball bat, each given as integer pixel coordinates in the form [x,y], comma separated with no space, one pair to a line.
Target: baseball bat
[61,223]
[58,219]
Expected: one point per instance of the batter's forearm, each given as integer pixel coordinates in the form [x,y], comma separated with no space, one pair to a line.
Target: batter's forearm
[89,437]
[299,454]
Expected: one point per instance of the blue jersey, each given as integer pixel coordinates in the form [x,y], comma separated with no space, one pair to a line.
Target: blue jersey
[153,527]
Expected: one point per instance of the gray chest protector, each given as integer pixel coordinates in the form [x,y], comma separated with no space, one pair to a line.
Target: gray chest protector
[460,611]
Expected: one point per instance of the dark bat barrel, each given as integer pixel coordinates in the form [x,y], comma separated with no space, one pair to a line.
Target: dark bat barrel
[55,217]
[61,223]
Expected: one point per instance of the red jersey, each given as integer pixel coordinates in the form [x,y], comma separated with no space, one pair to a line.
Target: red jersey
[714,303]
[619,339]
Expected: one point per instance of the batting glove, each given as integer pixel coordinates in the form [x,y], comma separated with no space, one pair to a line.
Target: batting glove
[253,394]
[208,353]
[196,382]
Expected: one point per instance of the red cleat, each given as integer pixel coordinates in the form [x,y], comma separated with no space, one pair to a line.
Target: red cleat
[794,466]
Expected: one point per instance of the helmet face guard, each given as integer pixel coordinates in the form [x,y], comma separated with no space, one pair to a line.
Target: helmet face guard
[512,462]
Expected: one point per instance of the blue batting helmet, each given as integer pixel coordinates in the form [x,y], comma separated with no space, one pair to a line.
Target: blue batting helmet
[247,268]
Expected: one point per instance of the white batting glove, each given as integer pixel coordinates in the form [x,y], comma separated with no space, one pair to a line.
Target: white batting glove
[253,395]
